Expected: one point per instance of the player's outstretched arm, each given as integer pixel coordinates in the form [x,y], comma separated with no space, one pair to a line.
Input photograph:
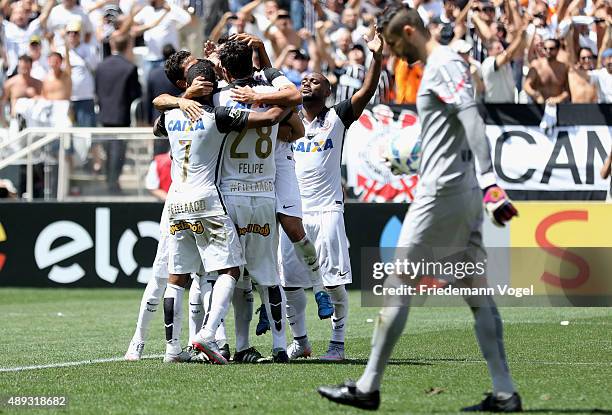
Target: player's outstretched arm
[270,117]
[498,205]
[361,98]
[233,119]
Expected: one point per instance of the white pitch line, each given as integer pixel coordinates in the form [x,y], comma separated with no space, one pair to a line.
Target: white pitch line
[68,364]
[158,356]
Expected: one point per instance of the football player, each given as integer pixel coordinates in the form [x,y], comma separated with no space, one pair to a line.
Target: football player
[202,233]
[446,212]
[317,163]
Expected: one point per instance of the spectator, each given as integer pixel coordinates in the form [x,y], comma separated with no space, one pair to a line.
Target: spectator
[158,177]
[68,13]
[284,34]
[19,30]
[581,89]
[160,23]
[350,21]
[351,76]
[117,86]
[58,83]
[602,78]
[7,189]
[547,78]
[483,32]
[344,44]
[497,70]
[441,32]
[83,60]
[39,64]
[294,63]
[157,84]
[463,48]
[21,85]
[407,81]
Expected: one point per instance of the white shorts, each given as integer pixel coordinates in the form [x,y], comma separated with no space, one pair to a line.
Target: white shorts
[288,200]
[160,263]
[255,219]
[209,241]
[327,233]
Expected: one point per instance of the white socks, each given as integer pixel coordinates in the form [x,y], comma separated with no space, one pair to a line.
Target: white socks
[196,307]
[275,303]
[219,305]
[389,327]
[339,299]
[296,312]
[243,314]
[306,251]
[173,317]
[151,297]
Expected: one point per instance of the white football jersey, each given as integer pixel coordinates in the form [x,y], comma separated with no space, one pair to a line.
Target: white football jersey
[195,149]
[318,156]
[248,166]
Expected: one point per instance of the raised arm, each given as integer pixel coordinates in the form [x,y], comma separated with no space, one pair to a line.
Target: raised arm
[517,44]
[361,98]
[530,86]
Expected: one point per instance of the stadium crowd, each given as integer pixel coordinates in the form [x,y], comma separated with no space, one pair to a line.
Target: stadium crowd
[519,51]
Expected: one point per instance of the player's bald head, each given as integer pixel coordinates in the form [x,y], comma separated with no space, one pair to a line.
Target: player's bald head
[322,79]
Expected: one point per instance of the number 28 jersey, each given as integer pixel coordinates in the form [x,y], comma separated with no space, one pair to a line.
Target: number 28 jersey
[248,167]
[195,149]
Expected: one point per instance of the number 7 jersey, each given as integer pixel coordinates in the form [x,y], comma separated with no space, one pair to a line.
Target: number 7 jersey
[248,167]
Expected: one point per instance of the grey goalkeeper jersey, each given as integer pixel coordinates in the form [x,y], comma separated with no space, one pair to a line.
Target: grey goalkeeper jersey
[447,163]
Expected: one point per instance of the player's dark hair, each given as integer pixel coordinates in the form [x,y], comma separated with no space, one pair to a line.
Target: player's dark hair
[223,39]
[168,50]
[25,58]
[237,58]
[394,17]
[203,68]
[174,66]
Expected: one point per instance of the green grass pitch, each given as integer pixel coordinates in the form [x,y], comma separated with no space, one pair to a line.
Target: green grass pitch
[557,369]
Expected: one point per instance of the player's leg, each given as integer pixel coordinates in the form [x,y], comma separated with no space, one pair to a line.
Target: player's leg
[306,252]
[275,303]
[489,333]
[196,305]
[294,278]
[296,316]
[220,335]
[220,251]
[240,211]
[261,252]
[336,274]
[152,295]
[173,317]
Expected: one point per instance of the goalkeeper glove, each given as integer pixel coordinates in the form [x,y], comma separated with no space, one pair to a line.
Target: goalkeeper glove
[498,205]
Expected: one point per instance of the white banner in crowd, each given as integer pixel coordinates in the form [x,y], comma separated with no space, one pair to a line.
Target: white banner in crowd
[525,158]
[568,159]
[365,141]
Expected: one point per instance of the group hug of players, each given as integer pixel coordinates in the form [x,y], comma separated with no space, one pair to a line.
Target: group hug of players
[256,201]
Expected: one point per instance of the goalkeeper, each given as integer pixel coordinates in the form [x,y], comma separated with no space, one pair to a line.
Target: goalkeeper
[447,209]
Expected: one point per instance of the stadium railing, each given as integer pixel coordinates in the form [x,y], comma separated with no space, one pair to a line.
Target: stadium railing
[65,154]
